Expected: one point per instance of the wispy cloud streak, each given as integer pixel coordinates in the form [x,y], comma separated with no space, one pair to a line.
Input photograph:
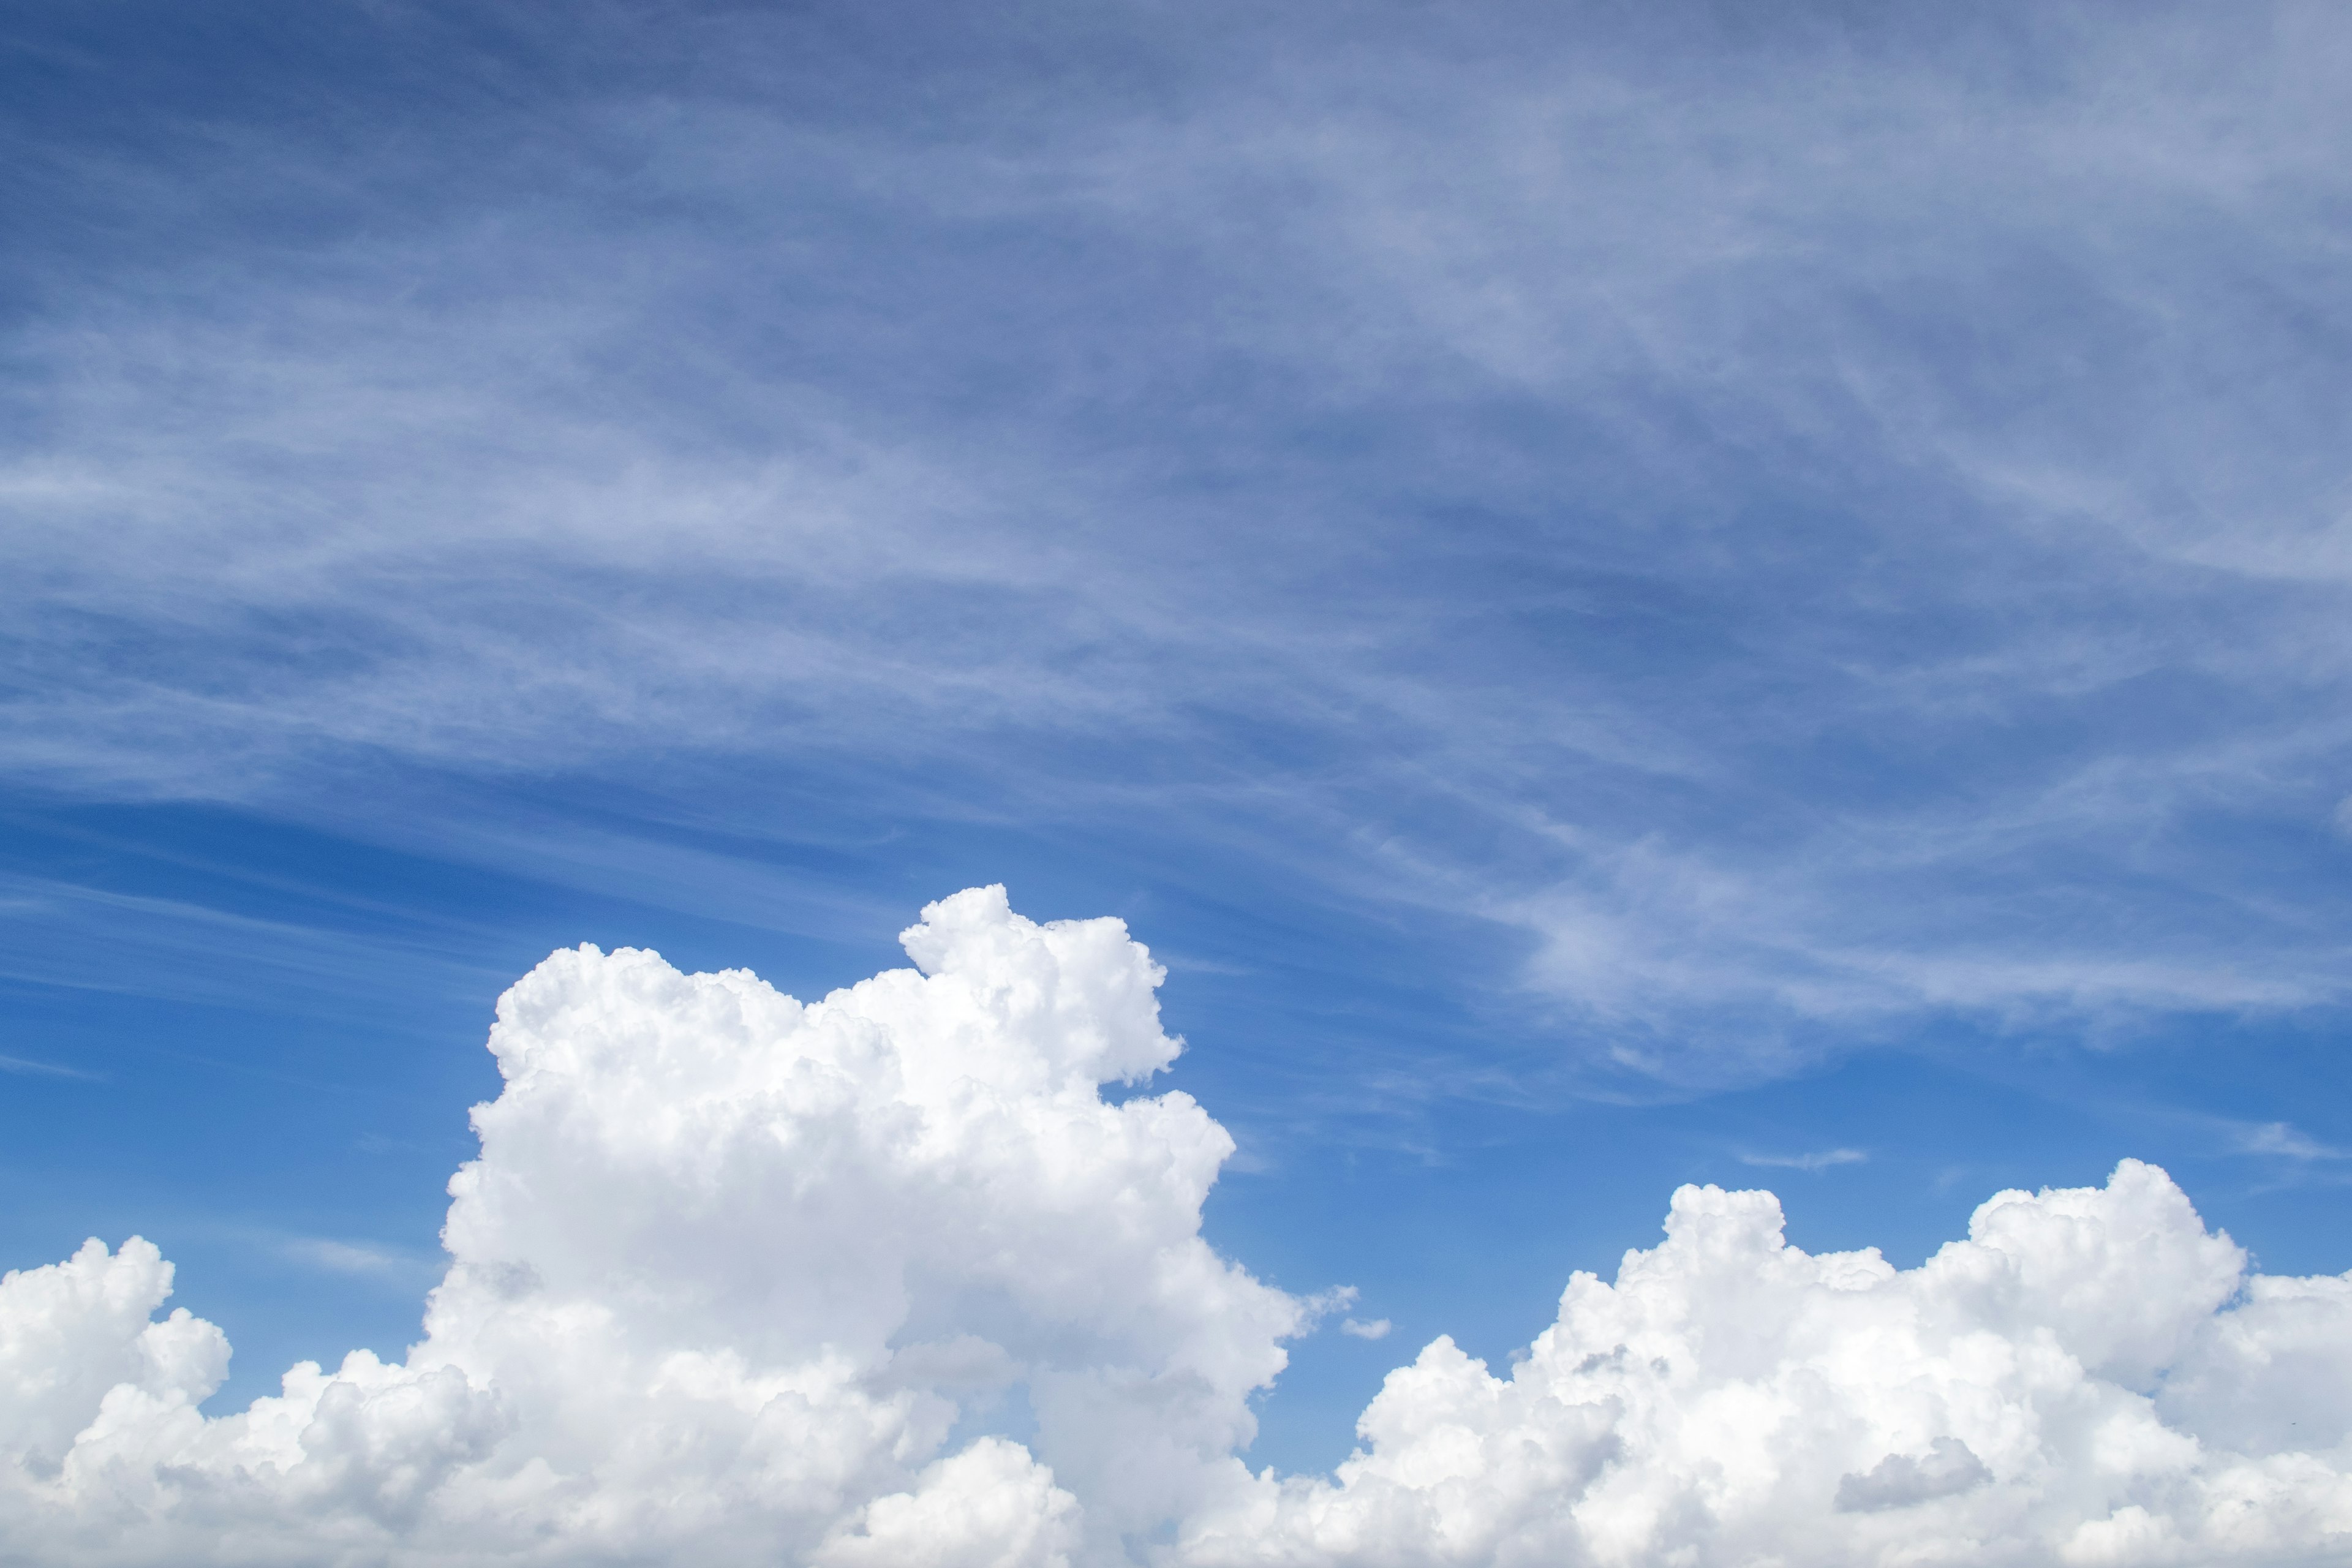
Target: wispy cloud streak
[1864,544]
[1821,1160]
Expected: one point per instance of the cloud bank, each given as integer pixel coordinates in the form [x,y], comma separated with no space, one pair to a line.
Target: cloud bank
[885,1279]
[2090,1377]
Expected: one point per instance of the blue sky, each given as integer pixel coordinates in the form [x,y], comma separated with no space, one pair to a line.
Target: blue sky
[1624,596]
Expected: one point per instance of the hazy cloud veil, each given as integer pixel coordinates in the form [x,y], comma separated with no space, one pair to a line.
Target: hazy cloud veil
[884,1280]
[1730,505]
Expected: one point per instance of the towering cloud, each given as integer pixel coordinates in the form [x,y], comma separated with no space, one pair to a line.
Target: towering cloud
[883,1281]
[734,1281]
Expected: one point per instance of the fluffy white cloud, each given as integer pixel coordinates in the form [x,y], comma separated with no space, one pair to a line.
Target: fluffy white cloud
[883,1281]
[734,1280]
[2090,1377]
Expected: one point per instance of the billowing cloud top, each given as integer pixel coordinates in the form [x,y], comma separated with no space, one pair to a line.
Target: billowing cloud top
[2089,1378]
[883,1280]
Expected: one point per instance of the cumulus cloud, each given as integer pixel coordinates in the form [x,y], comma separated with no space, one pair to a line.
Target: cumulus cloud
[884,1279]
[2090,1377]
[734,1280]
[1377,1329]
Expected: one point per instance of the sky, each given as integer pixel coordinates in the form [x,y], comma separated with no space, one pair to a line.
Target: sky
[1620,596]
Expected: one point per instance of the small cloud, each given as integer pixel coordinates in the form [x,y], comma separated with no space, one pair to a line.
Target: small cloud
[2281,1138]
[1377,1329]
[1822,1161]
[352,1258]
[1323,1303]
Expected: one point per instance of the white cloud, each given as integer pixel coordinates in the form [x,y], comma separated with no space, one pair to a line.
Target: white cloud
[2090,1378]
[1377,1329]
[882,1280]
[727,1275]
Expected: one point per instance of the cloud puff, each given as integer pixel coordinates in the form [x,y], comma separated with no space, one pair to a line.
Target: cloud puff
[883,1281]
[734,1280]
[2090,1377]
